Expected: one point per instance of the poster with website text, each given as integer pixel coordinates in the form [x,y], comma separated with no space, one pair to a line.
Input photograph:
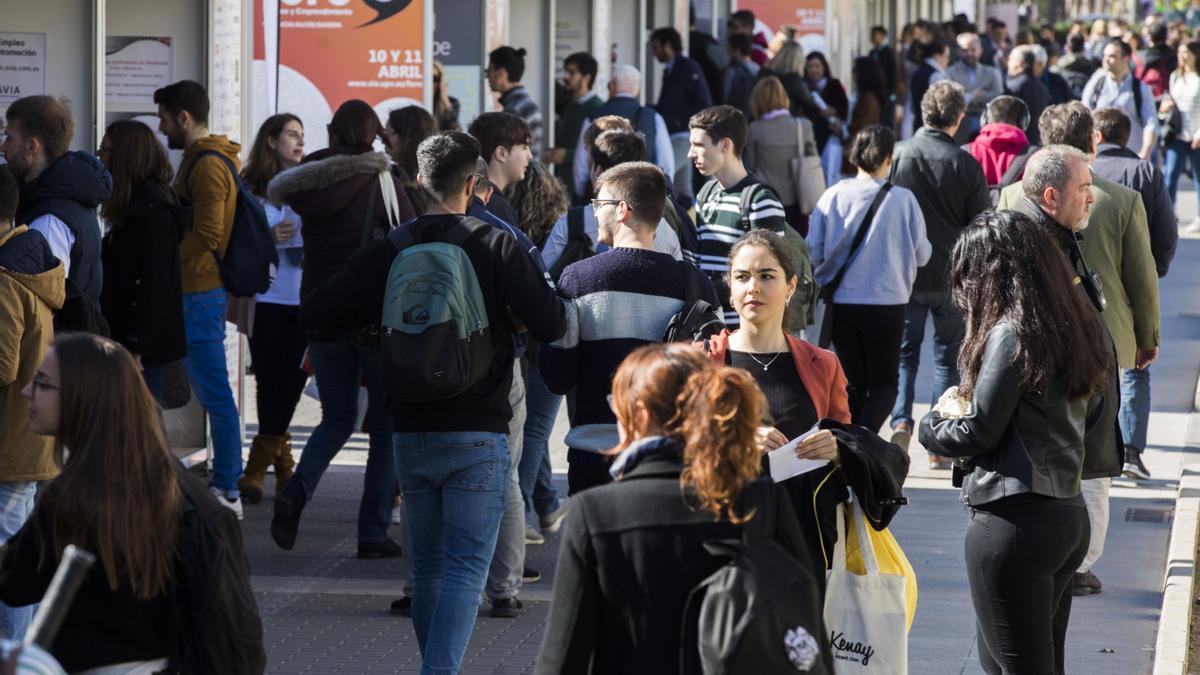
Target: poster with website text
[808,16]
[331,51]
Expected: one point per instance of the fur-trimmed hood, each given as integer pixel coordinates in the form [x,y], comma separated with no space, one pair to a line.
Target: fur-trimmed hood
[325,185]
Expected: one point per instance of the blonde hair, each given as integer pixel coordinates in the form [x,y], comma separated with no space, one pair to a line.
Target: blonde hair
[768,95]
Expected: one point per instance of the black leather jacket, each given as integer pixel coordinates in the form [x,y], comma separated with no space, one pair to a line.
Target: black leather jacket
[1018,441]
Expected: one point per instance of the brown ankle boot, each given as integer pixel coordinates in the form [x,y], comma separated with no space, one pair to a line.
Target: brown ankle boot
[262,452]
[284,464]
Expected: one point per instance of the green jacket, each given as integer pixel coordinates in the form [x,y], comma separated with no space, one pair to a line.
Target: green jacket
[1116,245]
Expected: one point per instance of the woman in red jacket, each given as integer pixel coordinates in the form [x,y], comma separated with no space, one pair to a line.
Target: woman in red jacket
[803,385]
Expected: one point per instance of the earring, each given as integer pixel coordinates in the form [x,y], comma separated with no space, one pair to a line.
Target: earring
[788,301]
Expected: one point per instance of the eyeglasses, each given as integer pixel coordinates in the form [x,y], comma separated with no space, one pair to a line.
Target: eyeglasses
[597,203]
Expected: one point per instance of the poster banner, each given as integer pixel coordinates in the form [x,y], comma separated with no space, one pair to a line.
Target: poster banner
[331,51]
[134,68]
[22,66]
[808,16]
[458,44]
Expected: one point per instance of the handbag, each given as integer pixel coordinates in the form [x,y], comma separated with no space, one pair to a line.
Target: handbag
[866,614]
[826,330]
[806,168]
[176,390]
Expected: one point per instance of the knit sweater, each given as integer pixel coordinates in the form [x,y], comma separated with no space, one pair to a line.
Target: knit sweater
[616,302]
[720,222]
[885,265]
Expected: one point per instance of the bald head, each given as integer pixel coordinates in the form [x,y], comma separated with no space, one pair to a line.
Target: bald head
[969,48]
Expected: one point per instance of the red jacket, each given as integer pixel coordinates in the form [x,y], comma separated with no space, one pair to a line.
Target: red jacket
[995,148]
[819,370]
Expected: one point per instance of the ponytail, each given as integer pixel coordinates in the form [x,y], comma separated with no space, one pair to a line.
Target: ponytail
[717,414]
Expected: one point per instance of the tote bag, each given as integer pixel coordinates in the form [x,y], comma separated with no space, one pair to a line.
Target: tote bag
[806,168]
[866,615]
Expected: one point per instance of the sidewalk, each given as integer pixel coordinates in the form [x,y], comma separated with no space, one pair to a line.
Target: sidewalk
[326,612]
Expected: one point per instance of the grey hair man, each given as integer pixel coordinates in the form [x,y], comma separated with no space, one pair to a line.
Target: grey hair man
[623,88]
[951,189]
[1116,246]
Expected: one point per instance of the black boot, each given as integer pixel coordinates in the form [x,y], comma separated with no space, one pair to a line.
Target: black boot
[288,507]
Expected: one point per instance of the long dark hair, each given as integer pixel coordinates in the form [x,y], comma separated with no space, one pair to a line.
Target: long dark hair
[412,124]
[1007,268]
[354,127]
[263,162]
[136,157]
[117,493]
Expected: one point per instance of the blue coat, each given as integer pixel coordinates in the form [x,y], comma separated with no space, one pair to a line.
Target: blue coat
[684,93]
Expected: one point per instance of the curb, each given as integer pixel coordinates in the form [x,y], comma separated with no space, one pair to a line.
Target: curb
[1175,618]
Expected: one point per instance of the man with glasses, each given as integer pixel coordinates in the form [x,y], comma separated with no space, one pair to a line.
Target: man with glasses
[619,301]
[31,288]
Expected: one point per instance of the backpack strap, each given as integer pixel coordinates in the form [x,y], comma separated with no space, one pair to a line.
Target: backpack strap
[575,231]
[237,179]
[401,238]
[744,205]
[1017,167]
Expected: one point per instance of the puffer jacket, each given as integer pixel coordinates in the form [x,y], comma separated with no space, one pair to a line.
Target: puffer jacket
[1018,441]
[32,286]
[951,188]
[330,191]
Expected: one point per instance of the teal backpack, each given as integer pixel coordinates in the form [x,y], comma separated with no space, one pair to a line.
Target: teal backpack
[436,341]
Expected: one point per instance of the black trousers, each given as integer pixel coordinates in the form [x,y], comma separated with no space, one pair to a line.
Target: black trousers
[277,350]
[867,341]
[1021,552]
[586,469]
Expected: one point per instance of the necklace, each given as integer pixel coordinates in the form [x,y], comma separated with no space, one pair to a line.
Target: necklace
[768,363]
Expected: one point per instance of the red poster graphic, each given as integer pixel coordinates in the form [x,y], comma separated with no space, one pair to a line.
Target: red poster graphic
[808,16]
[336,50]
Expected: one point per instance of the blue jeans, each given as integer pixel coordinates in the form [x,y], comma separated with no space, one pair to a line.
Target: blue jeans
[541,409]
[1135,407]
[16,503]
[1180,157]
[455,484]
[948,330]
[204,323]
[340,368]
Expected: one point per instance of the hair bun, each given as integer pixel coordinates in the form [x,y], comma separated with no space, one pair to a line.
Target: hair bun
[521,52]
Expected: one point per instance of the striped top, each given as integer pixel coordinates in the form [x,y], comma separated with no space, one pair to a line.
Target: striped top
[1185,91]
[721,224]
[616,302]
[518,102]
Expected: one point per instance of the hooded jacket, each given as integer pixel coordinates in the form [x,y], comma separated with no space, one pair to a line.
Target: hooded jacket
[70,189]
[31,287]
[143,293]
[995,148]
[332,191]
[211,189]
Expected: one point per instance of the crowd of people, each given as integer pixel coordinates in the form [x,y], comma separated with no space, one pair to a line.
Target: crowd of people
[473,280]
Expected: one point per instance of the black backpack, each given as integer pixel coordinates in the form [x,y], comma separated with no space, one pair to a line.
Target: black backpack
[698,320]
[760,613]
[249,264]
[217,628]
[579,244]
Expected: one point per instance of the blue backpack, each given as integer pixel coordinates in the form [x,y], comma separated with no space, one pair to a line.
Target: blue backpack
[249,264]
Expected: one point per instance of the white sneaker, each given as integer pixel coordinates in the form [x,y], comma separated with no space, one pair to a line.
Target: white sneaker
[553,520]
[234,505]
[397,513]
[533,537]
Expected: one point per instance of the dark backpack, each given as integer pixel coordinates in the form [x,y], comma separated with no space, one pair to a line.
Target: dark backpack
[579,244]
[217,627]
[436,338]
[698,320]
[249,264]
[1013,173]
[762,612]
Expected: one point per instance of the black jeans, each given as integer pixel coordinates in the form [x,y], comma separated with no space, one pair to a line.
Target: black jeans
[867,341]
[1021,552]
[586,469]
[277,350]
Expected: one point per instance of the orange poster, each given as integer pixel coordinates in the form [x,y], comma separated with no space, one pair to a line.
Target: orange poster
[808,16]
[331,51]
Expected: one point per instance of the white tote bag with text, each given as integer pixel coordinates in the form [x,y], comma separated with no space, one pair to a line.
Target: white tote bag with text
[866,615]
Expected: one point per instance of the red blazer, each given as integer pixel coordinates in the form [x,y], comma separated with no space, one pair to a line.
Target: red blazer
[819,370]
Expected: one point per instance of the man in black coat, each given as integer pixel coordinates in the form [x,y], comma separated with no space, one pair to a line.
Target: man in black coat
[1024,84]
[1118,163]
[951,188]
[937,58]
[684,93]
[885,55]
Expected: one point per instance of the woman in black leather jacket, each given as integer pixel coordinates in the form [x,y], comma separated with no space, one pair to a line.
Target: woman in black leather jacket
[1029,362]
